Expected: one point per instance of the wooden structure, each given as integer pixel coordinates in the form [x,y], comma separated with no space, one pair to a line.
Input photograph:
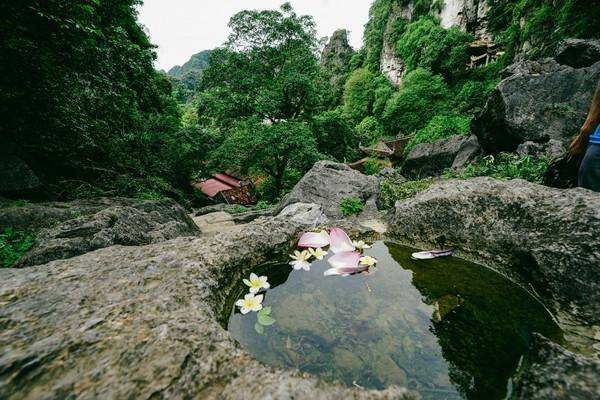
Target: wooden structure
[225,187]
[387,148]
[482,52]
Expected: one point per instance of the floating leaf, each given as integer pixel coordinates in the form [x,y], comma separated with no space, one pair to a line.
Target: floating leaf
[266,320]
[265,311]
[259,328]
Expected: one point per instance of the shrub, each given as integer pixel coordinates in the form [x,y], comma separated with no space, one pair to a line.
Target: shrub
[426,44]
[369,131]
[392,190]
[505,166]
[359,92]
[351,206]
[421,96]
[13,245]
[440,127]
[374,165]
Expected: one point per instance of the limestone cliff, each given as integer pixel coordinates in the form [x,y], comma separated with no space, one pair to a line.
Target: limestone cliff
[467,15]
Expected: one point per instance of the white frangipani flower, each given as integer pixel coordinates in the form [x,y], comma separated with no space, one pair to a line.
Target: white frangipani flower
[317,253]
[257,283]
[300,260]
[250,302]
[368,260]
[361,245]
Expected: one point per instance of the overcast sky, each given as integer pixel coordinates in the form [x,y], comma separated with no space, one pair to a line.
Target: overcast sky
[181,28]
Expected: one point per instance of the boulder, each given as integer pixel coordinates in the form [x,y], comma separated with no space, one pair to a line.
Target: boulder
[533,67]
[536,107]
[551,150]
[550,372]
[143,322]
[578,53]
[429,159]
[69,229]
[546,237]
[16,176]
[327,184]
[469,150]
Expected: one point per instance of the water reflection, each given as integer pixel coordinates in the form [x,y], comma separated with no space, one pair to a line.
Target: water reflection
[445,327]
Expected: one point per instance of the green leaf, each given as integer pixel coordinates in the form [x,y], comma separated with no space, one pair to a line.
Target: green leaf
[266,320]
[265,311]
[259,328]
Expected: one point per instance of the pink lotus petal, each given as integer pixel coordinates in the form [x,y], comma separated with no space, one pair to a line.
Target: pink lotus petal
[314,239]
[346,270]
[346,259]
[339,241]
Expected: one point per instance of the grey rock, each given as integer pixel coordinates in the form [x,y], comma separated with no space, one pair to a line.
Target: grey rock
[550,372]
[430,159]
[247,216]
[552,150]
[143,322]
[578,53]
[327,184]
[549,238]
[469,150]
[526,107]
[533,67]
[16,176]
[69,229]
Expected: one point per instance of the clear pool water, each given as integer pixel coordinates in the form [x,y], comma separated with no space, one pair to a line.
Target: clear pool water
[447,328]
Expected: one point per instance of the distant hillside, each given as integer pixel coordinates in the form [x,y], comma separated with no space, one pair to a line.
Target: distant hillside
[185,78]
[196,64]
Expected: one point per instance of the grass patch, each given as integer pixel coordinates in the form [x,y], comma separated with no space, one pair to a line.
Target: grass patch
[13,244]
[351,206]
[504,166]
[392,190]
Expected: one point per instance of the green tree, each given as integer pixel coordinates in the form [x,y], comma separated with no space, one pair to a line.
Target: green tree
[359,94]
[421,96]
[268,149]
[335,135]
[268,69]
[262,89]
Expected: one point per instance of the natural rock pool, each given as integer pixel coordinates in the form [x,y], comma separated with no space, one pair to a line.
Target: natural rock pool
[445,327]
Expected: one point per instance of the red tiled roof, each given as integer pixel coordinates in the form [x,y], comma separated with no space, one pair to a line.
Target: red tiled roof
[211,187]
[230,180]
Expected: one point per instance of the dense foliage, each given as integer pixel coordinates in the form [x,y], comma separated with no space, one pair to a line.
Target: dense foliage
[505,166]
[81,103]
[440,127]
[80,99]
[537,26]
[13,245]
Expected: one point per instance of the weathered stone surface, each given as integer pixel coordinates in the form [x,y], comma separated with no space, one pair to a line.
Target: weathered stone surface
[142,322]
[533,67]
[578,53]
[427,159]
[547,237]
[467,15]
[549,372]
[327,184]
[552,150]
[469,150]
[526,107]
[69,229]
[16,176]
